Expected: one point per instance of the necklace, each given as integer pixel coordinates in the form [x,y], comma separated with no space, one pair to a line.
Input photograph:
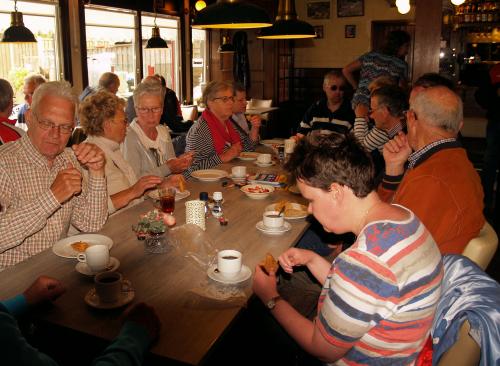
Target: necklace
[362,222]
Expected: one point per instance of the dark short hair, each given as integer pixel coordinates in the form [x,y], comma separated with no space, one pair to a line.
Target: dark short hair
[322,159]
[238,88]
[431,79]
[393,97]
[395,40]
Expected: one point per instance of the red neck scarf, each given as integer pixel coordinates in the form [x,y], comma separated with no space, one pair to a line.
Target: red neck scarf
[220,136]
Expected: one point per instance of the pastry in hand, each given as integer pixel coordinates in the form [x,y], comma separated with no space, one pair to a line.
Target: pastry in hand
[269,264]
[182,184]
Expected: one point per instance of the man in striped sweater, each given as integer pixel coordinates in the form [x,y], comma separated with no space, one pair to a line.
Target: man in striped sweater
[380,295]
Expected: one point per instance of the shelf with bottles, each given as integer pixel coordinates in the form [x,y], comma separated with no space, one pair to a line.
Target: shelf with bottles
[476,12]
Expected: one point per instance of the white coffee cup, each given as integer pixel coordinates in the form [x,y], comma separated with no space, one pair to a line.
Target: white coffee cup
[271,219]
[264,158]
[289,146]
[229,263]
[239,171]
[109,286]
[96,257]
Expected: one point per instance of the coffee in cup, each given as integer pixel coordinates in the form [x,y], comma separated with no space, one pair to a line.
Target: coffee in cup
[272,219]
[239,171]
[264,158]
[96,257]
[109,286]
[229,263]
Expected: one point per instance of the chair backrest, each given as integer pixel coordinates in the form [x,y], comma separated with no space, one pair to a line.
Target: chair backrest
[260,103]
[465,351]
[189,112]
[482,248]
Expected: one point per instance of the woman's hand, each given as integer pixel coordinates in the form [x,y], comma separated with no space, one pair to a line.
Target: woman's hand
[145,183]
[231,153]
[264,285]
[295,257]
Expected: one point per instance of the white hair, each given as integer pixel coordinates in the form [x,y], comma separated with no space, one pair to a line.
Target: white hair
[60,89]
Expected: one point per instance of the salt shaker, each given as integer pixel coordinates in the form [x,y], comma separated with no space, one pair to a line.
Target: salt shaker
[217,208]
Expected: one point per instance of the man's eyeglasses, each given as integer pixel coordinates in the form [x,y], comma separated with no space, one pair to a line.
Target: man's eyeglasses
[64,129]
[337,87]
[142,110]
[224,99]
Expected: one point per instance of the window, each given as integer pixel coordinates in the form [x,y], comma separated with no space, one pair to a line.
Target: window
[20,59]
[110,46]
[163,61]
[199,62]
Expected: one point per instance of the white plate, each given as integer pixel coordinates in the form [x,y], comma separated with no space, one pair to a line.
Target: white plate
[293,205]
[244,275]
[248,155]
[273,231]
[93,300]
[63,247]
[209,175]
[264,165]
[178,195]
[84,269]
[272,142]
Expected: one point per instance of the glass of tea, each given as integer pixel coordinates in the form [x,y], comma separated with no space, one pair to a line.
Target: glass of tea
[167,199]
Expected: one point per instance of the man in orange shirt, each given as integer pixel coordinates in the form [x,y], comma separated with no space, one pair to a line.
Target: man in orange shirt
[440,185]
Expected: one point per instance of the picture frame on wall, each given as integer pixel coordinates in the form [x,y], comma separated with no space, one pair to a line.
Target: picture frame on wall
[319,31]
[350,8]
[318,9]
[350,31]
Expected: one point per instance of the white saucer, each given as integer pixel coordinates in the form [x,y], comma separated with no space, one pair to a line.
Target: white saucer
[264,165]
[92,299]
[84,269]
[273,231]
[244,275]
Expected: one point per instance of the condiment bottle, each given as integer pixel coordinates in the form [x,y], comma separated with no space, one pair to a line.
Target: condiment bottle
[217,208]
[204,198]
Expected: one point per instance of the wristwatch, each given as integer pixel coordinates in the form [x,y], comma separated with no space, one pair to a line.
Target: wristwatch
[272,302]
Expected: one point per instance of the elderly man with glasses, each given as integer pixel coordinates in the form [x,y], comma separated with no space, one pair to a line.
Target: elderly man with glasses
[43,188]
[333,112]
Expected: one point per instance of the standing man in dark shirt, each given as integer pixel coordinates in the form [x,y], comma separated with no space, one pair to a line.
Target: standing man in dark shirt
[332,112]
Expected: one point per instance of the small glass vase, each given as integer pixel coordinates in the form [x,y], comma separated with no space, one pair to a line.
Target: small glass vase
[156,243]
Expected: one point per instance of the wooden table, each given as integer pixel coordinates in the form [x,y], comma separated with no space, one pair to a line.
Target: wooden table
[162,280]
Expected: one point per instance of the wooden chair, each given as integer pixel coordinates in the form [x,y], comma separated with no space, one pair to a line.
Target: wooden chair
[482,248]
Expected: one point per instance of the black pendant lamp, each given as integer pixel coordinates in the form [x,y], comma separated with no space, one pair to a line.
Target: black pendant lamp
[156,41]
[287,25]
[17,32]
[233,14]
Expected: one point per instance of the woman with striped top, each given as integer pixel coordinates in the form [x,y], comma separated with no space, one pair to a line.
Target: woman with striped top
[380,295]
[215,138]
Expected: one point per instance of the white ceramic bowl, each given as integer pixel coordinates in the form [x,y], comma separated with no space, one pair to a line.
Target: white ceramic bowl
[271,219]
[257,191]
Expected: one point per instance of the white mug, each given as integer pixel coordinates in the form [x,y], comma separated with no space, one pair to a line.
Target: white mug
[272,220]
[229,263]
[239,171]
[96,257]
[264,158]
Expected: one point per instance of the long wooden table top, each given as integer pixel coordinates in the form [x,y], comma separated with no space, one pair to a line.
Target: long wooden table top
[189,329]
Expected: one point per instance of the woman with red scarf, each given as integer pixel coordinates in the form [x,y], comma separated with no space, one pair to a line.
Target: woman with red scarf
[215,138]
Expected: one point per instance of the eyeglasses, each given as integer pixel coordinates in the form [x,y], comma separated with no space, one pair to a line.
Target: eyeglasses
[142,110]
[64,129]
[225,99]
[335,87]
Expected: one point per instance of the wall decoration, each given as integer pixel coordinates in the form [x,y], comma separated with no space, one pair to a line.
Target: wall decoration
[318,9]
[350,8]
[319,31]
[350,31]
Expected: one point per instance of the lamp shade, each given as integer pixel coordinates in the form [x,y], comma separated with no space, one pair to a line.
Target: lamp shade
[287,25]
[232,14]
[17,32]
[156,41]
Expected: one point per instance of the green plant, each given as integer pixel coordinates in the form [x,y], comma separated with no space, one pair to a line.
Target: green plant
[150,223]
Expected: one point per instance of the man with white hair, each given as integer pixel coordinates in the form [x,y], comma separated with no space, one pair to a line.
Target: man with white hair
[31,82]
[42,190]
[440,185]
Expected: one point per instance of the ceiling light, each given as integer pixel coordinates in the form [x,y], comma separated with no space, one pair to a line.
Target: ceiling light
[200,4]
[17,32]
[404,9]
[287,26]
[156,41]
[457,2]
[232,14]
